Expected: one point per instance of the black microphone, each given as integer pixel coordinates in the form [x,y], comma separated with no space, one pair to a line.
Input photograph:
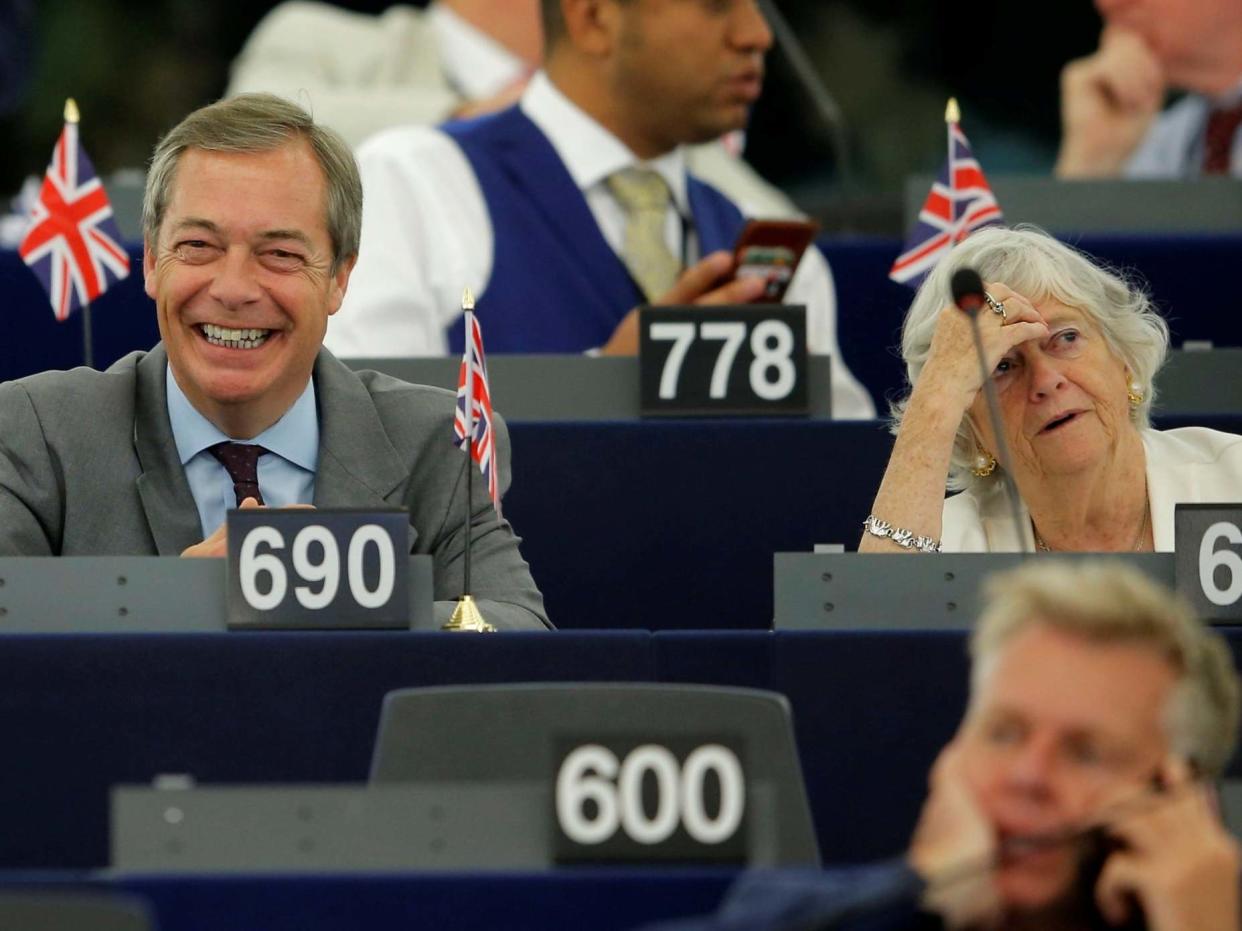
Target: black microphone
[967,289]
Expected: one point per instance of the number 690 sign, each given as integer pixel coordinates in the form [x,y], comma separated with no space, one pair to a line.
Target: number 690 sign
[723,360]
[1208,559]
[318,568]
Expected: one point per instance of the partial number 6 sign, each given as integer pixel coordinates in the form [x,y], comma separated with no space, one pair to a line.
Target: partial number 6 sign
[1209,559]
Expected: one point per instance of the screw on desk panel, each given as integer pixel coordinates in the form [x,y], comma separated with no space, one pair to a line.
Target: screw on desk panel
[3,611]
[121,580]
[948,576]
[827,576]
[828,606]
[951,606]
[1,583]
[122,611]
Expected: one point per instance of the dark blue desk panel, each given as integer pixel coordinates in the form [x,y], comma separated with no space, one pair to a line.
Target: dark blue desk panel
[673,524]
[1185,273]
[79,714]
[871,711]
[601,900]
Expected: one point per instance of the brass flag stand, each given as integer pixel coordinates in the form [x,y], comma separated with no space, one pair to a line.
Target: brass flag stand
[466,616]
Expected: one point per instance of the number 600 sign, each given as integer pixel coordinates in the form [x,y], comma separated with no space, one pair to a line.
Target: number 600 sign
[318,568]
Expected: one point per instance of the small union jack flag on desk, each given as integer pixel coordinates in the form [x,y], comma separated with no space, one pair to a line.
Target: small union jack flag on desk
[474,402]
[73,245]
[959,203]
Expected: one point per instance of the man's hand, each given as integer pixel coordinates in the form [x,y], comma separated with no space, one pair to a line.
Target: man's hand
[954,847]
[217,545]
[706,282]
[1108,101]
[1177,862]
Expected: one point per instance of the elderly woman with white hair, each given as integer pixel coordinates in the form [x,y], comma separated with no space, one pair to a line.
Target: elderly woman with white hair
[1073,350]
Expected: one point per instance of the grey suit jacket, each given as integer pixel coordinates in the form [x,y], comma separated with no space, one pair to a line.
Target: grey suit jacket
[88,466]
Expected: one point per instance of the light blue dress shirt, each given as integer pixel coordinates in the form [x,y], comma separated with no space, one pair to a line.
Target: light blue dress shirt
[286,473]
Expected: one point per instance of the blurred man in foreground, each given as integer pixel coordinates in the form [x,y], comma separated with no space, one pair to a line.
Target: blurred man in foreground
[1110,101]
[1075,794]
[250,226]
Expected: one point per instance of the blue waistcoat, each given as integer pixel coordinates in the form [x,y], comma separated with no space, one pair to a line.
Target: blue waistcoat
[556,284]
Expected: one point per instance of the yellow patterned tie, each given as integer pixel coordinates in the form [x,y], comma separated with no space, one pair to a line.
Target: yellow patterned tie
[645,197]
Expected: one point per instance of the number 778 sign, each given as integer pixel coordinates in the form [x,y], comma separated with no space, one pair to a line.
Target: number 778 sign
[723,360]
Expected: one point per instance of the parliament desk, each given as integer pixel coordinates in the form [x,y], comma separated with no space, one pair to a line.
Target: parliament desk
[82,713]
[674,524]
[1186,272]
[596,899]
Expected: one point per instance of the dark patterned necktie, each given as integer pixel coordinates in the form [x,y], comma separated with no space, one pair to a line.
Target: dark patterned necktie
[242,462]
[1222,126]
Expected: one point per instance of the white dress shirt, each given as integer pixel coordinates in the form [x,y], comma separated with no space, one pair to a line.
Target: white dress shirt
[427,233]
[1189,465]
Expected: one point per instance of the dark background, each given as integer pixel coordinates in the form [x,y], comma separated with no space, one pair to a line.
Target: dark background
[137,66]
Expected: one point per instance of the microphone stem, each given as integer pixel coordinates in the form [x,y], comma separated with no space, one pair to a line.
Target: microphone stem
[1002,447]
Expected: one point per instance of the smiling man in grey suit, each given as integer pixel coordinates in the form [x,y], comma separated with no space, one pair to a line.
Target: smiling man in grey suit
[250,228]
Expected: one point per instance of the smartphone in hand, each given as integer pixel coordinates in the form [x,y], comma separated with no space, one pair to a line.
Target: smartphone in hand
[772,249]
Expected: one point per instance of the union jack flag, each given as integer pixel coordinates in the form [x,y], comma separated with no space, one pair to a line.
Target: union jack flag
[474,395]
[959,203]
[73,245]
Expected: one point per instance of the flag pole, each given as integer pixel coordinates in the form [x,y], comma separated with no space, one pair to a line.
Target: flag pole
[466,616]
[952,116]
[72,115]
[467,306]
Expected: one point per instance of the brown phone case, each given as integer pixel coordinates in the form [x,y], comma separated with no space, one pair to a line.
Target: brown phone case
[772,249]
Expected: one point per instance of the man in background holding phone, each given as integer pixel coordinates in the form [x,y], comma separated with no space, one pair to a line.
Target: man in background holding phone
[567,211]
[1075,794]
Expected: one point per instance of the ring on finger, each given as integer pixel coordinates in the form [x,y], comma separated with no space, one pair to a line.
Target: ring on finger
[998,307]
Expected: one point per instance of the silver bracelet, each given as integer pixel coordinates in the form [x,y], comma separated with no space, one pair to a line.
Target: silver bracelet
[906,539]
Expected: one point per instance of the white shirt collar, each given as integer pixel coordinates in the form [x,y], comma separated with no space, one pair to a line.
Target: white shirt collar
[590,152]
[476,65]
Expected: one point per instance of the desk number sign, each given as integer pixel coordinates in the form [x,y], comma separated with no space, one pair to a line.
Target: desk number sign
[1208,559]
[723,360]
[305,568]
[632,800]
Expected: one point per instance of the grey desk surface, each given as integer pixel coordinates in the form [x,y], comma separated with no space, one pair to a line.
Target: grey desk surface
[1210,205]
[564,387]
[584,388]
[879,591]
[138,594]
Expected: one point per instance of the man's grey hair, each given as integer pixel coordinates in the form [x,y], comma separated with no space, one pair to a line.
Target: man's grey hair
[1038,267]
[1106,601]
[260,123]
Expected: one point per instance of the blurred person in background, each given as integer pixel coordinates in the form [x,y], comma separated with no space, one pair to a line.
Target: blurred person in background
[1112,123]
[454,59]
[567,211]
